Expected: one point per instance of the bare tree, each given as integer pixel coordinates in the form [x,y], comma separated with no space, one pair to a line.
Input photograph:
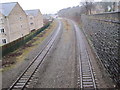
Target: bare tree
[88,5]
[113,7]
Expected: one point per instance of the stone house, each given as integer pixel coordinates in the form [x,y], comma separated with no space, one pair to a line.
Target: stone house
[97,9]
[117,7]
[35,19]
[13,22]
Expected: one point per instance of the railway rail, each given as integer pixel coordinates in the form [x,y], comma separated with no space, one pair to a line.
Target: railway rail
[86,78]
[28,74]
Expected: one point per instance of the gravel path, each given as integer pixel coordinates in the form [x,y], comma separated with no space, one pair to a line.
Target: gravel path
[58,69]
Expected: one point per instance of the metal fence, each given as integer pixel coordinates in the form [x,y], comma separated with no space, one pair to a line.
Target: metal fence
[12,46]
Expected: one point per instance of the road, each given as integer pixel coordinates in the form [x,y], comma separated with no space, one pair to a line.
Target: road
[61,66]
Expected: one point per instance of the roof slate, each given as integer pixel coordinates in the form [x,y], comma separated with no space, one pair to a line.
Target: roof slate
[32,12]
[6,8]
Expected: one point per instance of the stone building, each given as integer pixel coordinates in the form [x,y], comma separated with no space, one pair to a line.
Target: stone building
[13,22]
[35,19]
[117,8]
[97,9]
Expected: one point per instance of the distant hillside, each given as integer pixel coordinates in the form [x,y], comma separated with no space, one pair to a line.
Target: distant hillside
[72,13]
[68,12]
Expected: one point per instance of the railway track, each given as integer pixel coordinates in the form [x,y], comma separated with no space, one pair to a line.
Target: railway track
[28,74]
[86,78]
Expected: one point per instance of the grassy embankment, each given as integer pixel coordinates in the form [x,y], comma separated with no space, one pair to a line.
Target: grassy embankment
[20,54]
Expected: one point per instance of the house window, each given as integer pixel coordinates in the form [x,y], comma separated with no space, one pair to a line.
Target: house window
[20,18]
[30,17]
[31,23]
[2,30]
[3,40]
[1,20]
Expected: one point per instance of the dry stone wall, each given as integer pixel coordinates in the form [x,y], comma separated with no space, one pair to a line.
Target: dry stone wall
[103,30]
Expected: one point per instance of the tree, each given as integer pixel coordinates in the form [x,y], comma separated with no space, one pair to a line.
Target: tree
[113,7]
[87,5]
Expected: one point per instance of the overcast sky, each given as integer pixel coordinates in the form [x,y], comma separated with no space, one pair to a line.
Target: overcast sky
[46,6]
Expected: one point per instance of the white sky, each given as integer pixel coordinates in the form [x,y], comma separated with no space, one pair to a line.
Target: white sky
[45,6]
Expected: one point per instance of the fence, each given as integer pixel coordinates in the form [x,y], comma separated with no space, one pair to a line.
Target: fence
[103,30]
[12,46]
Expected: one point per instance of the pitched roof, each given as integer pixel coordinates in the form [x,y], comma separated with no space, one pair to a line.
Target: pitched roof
[6,8]
[32,12]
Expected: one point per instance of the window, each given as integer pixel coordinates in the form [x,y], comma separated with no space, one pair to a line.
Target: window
[2,30]
[20,18]
[1,20]
[30,17]
[3,40]
[31,23]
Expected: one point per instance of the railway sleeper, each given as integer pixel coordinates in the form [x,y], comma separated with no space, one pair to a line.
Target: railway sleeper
[87,80]
[18,87]
[84,68]
[25,76]
[87,83]
[85,72]
[22,81]
[20,84]
[88,86]
[87,77]
[85,63]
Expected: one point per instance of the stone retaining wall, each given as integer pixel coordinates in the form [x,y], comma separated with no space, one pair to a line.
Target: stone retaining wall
[103,31]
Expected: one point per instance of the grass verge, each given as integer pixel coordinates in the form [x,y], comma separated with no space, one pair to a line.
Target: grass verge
[20,54]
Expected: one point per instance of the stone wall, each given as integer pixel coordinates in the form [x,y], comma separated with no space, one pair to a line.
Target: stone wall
[103,31]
